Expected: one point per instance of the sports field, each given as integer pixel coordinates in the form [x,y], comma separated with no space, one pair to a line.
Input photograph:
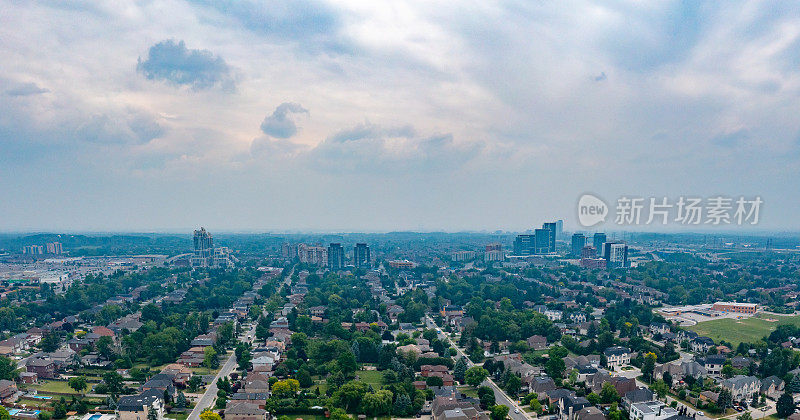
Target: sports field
[746,330]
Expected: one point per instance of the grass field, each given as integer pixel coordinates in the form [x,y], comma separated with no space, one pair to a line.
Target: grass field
[372,377]
[746,330]
[45,386]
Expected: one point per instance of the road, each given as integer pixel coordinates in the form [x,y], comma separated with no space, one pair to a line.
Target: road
[515,411]
[207,400]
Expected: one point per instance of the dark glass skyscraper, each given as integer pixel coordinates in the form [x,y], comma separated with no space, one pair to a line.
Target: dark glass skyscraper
[335,256]
[578,242]
[361,256]
[523,245]
[598,241]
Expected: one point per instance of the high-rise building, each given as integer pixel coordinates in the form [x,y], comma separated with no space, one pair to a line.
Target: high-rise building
[588,252]
[559,228]
[203,249]
[494,252]
[33,250]
[317,255]
[598,240]
[552,231]
[288,251]
[542,241]
[615,254]
[206,256]
[523,245]
[335,256]
[361,256]
[54,248]
[461,256]
[578,242]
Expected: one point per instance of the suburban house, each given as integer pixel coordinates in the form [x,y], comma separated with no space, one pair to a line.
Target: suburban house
[659,328]
[713,364]
[8,391]
[617,356]
[701,344]
[44,369]
[590,413]
[652,410]
[537,342]
[742,387]
[569,406]
[772,387]
[244,410]
[137,407]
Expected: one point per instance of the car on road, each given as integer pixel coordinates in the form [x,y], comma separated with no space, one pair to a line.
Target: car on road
[516,411]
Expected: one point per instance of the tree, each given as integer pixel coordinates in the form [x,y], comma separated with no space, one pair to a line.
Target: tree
[555,367]
[794,384]
[499,412]
[349,395]
[486,395]
[207,414]
[725,400]
[50,343]
[180,400]
[152,414]
[648,366]
[8,369]
[78,383]
[745,416]
[475,376]
[785,405]
[304,378]
[460,369]
[210,359]
[667,377]
[513,384]
[105,346]
[4,414]
[113,381]
[728,371]
[593,398]
[347,362]
[225,333]
[434,381]
[402,405]
[286,388]
[660,388]
[377,403]
[194,383]
[608,394]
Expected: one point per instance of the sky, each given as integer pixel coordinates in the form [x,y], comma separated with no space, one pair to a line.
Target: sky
[383,116]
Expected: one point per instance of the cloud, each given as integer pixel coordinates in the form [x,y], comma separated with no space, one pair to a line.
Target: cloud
[602,76]
[732,138]
[279,124]
[173,62]
[386,150]
[26,89]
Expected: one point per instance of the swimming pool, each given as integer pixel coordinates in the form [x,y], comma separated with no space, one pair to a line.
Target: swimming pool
[95,417]
[41,397]
[23,413]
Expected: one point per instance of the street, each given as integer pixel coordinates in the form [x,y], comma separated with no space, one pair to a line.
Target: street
[207,400]
[514,410]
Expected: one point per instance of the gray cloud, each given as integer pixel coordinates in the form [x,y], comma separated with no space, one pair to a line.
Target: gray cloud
[26,89]
[279,124]
[387,150]
[731,139]
[173,62]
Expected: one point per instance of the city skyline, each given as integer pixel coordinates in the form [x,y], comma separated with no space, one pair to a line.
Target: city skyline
[358,117]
